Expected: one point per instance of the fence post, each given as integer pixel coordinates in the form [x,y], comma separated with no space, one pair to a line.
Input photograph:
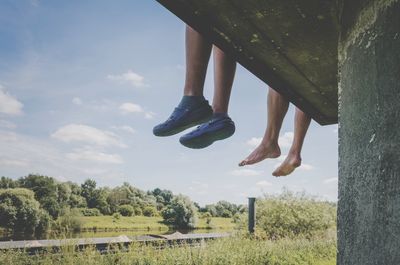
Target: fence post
[252,214]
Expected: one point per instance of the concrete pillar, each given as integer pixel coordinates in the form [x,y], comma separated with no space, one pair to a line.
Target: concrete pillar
[369,133]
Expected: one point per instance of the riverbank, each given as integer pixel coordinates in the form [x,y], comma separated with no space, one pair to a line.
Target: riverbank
[234,250]
[142,223]
[108,226]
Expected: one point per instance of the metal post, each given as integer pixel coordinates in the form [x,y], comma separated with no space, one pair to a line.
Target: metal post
[252,214]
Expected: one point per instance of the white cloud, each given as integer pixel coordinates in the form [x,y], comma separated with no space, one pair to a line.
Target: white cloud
[13,162]
[128,107]
[331,180]
[246,172]
[306,167]
[129,77]
[88,134]
[149,115]
[124,128]
[286,139]
[77,101]
[263,184]
[94,156]
[7,124]
[9,104]
[254,142]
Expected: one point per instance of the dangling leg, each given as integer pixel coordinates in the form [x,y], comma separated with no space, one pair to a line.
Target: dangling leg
[193,108]
[221,126]
[269,148]
[293,160]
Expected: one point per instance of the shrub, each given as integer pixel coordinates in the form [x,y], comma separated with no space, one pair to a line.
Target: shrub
[90,211]
[137,211]
[116,217]
[20,212]
[290,215]
[181,212]
[150,211]
[126,210]
[69,220]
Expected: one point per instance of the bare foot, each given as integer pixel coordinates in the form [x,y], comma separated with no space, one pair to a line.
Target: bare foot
[288,166]
[260,153]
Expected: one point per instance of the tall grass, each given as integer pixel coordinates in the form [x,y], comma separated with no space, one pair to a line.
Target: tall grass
[227,251]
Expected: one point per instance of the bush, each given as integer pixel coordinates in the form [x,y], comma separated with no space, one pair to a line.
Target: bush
[126,210]
[137,211]
[150,211]
[89,211]
[20,212]
[116,217]
[181,212]
[69,220]
[290,215]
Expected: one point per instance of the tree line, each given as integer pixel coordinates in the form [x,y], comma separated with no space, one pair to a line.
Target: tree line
[36,204]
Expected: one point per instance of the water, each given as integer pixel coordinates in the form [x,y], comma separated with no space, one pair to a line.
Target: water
[114,233]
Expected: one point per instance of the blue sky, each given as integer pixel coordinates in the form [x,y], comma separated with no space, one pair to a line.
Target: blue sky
[84,82]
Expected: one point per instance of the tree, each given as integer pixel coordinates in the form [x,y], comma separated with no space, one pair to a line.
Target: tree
[46,192]
[149,211]
[181,212]
[126,210]
[8,183]
[20,212]
[95,198]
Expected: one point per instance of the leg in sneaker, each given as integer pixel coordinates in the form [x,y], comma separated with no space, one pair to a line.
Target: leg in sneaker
[191,111]
[218,128]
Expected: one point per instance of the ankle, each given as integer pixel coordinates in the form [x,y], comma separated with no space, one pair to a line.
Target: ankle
[269,143]
[295,155]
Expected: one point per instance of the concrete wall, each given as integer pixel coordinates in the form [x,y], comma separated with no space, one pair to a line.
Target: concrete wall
[369,133]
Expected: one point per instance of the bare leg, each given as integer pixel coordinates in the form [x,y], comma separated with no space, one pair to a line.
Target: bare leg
[198,51]
[224,73]
[293,160]
[269,148]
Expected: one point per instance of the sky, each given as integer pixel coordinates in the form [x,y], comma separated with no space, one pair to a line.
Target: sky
[82,83]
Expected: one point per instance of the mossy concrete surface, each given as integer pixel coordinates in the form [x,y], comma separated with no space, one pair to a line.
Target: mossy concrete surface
[291,45]
[369,134]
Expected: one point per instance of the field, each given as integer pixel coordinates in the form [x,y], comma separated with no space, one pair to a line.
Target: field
[106,223]
[232,251]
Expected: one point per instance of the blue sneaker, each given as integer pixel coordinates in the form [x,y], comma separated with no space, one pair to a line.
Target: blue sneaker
[209,132]
[183,118]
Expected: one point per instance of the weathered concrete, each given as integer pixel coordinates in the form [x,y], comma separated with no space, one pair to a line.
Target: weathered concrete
[369,133]
[291,45]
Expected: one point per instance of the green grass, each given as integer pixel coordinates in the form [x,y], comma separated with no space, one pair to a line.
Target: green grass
[105,223]
[232,251]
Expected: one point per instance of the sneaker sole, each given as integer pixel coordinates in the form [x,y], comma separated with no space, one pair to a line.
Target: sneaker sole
[208,139]
[182,128]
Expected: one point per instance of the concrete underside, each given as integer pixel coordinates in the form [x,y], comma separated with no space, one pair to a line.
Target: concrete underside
[369,134]
[290,45]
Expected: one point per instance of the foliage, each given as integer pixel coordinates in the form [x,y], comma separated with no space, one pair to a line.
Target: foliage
[20,212]
[95,198]
[8,183]
[181,212]
[235,251]
[126,210]
[89,211]
[150,211]
[291,215]
[223,209]
[69,220]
